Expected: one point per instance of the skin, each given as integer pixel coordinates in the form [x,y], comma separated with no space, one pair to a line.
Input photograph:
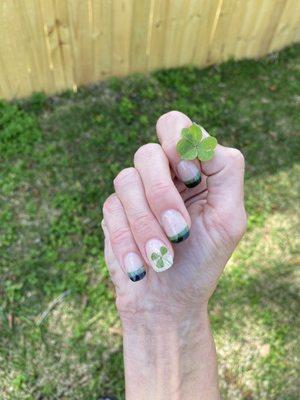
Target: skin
[168,346]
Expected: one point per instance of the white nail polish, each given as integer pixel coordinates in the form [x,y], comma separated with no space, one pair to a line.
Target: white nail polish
[134,267]
[189,173]
[175,226]
[159,255]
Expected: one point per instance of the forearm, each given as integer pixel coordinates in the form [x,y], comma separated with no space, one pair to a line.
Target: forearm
[170,358]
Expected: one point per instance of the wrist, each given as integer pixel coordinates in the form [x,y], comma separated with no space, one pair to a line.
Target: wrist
[169,353]
[164,323]
[165,319]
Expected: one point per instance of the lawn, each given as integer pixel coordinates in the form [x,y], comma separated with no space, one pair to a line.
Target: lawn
[60,335]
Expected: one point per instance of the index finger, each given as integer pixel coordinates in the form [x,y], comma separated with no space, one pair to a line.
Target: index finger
[168,128]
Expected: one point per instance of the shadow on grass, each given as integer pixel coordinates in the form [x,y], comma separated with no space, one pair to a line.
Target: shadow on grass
[273,294]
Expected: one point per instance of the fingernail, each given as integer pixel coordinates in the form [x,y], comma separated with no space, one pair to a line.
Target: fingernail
[189,173]
[158,254]
[175,226]
[134,267]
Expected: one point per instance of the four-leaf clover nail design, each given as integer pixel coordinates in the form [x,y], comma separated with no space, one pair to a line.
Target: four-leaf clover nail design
[161,258]
[193,145]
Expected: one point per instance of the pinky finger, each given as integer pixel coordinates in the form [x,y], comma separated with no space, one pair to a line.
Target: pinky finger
[121,239]
[115,271]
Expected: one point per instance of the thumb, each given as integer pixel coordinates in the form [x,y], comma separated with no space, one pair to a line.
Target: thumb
[225,178]
[225,184]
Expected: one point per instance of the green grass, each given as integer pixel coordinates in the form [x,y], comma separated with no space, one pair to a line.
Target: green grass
[60,334]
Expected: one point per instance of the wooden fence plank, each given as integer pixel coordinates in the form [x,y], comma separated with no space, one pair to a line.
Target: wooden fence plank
[51,27]
[5,87]
[206,28]
[176,21]
[102,38]
[13,52]
[27,23]
[288,27]
[66,44]
[139,35]
[220,36]
[254,13]
[122,26]
[157,26]
[80,15]
[39,44]
[234,33]
[265,27]
[249,19]
[189,35]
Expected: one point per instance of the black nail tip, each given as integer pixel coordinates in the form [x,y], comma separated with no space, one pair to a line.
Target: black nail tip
[193,183]
[138,277]
[180,237]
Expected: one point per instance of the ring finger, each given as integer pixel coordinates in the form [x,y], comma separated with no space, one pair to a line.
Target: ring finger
[120,238]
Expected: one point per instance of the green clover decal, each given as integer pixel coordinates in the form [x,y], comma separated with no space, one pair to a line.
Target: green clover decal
[192,145]
[160,258]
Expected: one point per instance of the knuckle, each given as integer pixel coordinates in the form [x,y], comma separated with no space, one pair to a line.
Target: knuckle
[231,223]
[239,233]
[146,151]
[141,222]
[119,235]
[244,223]
[111,204]
[171,116]
[125,177]
[240,226]
[158,191]
[236,157]
[169,149]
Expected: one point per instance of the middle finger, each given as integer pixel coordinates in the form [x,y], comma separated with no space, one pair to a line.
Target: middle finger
[146,230]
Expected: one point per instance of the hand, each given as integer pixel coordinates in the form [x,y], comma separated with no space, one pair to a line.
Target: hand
[152,207]
[163,289]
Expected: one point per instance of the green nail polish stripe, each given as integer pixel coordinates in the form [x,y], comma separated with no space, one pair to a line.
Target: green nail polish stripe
[137,275]
[193,182]
[181,236]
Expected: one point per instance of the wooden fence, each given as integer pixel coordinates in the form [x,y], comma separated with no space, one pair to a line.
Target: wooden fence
[51,45]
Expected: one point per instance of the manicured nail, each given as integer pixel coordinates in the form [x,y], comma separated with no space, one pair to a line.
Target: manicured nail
[175,226]
[134,267]
[189,173]
[158,254]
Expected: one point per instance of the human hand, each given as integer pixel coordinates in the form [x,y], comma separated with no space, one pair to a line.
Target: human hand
[151,203]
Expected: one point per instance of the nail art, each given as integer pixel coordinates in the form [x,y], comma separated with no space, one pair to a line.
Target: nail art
[137,275]
[175,226]
[181,236]
[134,267]
[159,256]
[189,173]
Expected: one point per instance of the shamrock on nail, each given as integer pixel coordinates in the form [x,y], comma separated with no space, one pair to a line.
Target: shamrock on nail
[193,145]
[160,258]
